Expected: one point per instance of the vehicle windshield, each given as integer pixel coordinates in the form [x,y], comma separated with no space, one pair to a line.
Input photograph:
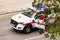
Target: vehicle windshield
[27,12]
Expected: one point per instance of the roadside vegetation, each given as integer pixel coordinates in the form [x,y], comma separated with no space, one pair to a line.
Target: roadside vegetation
[52,29]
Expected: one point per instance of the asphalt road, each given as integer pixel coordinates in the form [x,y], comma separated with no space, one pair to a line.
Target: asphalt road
[14,5]
[7,33]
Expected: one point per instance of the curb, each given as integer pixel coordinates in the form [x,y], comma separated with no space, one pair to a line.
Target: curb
[3,13]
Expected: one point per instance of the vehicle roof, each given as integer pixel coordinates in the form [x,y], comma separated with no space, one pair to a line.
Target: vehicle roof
[35,9]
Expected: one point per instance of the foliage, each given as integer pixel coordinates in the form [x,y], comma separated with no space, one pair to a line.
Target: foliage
[41,31]
[52,29]
[34,1]
[47,11]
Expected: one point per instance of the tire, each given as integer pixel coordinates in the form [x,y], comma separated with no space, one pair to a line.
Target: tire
[27,29]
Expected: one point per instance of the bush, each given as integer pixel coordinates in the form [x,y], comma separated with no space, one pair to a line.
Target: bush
[54,29]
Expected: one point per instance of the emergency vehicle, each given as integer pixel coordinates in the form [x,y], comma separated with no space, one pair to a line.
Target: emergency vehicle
[26,20]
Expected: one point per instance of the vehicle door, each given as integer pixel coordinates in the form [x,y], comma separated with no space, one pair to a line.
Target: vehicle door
[36,20]
[38,23]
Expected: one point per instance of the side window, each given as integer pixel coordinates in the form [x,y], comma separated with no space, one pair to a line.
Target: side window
[37,16]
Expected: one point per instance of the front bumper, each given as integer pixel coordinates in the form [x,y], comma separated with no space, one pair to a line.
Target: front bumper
[18,27]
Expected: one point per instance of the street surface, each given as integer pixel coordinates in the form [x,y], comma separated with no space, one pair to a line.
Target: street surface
[14,5]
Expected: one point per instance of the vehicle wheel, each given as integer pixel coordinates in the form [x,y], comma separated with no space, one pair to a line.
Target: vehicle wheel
[27,29]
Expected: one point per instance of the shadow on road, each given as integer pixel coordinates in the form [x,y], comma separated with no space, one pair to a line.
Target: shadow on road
[21,32]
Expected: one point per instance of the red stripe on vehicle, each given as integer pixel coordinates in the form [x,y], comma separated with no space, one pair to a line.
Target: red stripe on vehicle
[31,23]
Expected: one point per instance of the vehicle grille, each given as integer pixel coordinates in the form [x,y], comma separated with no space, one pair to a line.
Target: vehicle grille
[14,23]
